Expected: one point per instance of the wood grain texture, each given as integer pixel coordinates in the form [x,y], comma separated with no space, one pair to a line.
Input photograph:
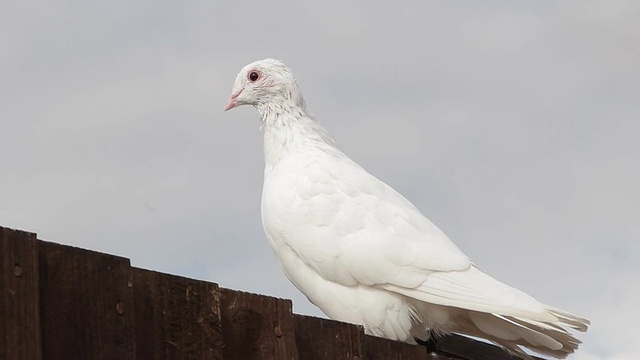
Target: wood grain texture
[59,302]
[257,327]
[86,304]
[19,296]
[380,349]
[461,347]
[176,318]
[319,339]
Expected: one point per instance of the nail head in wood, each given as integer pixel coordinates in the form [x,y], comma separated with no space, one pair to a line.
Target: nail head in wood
[17,270]
[120,308]
[277,331]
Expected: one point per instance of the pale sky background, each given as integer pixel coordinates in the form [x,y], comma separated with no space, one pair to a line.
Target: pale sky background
[513,127]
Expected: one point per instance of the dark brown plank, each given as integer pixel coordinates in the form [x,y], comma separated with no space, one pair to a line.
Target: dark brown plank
[176,318]
[376,348]
[319,339]
[468,349]
[257,327]
[19,297]
[86,304]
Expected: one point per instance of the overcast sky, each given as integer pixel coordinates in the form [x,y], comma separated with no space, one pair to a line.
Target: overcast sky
[513,127]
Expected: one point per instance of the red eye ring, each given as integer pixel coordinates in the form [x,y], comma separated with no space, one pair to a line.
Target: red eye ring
[253,75]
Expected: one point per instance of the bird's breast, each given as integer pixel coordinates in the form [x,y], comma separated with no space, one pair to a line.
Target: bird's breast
[295,200]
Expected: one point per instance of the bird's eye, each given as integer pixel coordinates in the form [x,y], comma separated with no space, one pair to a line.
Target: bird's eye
[253,76]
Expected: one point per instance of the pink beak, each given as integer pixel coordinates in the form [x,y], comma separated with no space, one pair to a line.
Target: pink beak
[233,100]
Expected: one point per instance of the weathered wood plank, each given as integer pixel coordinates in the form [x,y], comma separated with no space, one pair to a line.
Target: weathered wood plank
[60,302]
[319,339]
[468,349]
[376,348]
[86,304]
[176,318]
[19,310]
[257,327]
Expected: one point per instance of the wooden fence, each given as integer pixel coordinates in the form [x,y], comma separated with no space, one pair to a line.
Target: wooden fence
[59,302]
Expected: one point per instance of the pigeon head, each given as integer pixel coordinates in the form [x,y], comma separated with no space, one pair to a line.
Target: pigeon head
[266,84]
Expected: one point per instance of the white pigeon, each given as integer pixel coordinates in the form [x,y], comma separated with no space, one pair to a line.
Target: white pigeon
[363,253]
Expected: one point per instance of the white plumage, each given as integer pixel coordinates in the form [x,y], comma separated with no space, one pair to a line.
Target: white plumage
[363,253]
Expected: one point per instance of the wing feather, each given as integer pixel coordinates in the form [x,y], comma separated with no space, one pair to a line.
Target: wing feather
[353,228]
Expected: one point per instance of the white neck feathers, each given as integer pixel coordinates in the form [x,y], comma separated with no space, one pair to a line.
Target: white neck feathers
[288,129]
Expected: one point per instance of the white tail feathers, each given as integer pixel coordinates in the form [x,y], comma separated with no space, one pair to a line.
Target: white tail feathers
[473,303]
[514,333]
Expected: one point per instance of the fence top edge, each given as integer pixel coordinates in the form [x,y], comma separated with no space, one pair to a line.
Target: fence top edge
[28,233]
[446,348]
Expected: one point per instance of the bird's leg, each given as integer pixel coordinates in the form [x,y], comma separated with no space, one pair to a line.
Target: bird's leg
[431,343]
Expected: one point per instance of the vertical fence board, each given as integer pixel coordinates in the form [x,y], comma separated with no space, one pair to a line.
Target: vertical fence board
[19,312]
[376,348]
[58,303]
[176,317]
[257,327]
[86,304]
[319,339]
[464,348]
